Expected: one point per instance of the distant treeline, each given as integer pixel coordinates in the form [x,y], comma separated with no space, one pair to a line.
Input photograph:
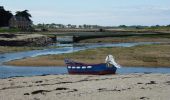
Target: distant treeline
[85,26]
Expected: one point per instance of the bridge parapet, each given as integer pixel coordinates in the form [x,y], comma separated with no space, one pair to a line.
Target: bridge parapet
[65,39]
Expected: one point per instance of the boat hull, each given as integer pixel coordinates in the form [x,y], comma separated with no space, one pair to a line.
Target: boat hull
[91,72]
[92,69]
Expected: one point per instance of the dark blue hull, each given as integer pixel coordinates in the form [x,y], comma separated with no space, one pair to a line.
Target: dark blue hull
[93,69]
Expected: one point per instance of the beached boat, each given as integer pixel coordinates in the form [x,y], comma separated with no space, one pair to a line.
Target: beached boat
[109,67]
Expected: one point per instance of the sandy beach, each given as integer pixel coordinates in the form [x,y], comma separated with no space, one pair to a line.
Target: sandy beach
[87,87]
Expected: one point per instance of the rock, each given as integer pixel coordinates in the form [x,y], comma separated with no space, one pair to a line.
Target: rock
[40,91]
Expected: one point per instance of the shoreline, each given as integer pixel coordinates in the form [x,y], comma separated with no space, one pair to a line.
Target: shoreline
[87,87]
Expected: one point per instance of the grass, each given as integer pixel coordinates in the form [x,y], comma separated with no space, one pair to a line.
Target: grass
[152,38]
[9,30]
[156,55]
[164,28]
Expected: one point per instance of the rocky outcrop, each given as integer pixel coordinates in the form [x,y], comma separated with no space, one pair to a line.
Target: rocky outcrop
[8,39]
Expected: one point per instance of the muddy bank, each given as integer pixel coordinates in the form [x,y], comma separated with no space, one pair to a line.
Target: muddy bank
[87,87]
[9,39]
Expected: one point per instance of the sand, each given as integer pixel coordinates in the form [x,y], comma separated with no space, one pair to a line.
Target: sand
[87,87]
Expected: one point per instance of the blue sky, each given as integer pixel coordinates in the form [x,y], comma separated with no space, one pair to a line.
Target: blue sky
[101,12]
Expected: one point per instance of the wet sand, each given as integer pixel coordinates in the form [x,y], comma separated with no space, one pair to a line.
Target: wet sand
[87,87]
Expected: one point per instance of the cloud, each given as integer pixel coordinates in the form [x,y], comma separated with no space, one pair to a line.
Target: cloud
[132,15]
[69,13]
[72,17]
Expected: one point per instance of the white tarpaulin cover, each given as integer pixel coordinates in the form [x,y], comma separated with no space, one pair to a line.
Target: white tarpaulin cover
[110,60]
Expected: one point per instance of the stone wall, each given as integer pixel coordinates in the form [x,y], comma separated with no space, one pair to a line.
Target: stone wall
[8,39]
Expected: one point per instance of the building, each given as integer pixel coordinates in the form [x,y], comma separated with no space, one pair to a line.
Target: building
[19,22]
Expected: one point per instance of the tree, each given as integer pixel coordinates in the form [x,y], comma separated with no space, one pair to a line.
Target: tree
[24,14]
[61,25]
[85,26]
[69,25]
[52,25]
[168,25]
[122,26]
[4,17]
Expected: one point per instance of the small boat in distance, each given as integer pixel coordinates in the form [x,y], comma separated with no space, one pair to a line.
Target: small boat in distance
[109,67]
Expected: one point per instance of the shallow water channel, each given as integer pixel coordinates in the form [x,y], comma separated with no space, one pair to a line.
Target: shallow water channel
[14,71]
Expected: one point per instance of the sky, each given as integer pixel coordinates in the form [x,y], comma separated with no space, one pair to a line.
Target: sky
[94,12]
